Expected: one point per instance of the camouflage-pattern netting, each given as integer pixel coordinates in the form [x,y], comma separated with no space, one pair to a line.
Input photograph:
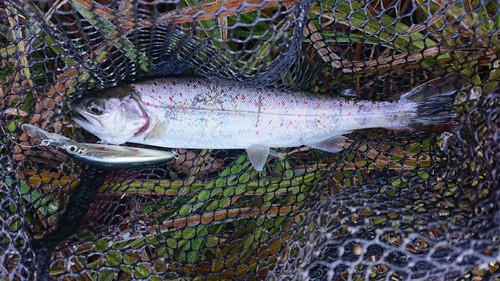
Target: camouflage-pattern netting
[391,206]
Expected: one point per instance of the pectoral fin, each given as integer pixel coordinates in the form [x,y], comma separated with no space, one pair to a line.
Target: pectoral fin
[159,130]
[258,155]
[332,145]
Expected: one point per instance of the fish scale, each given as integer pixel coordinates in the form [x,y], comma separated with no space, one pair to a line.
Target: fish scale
[240,117]
[198,113]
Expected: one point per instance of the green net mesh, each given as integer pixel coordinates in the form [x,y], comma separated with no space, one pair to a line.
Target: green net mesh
[391,206]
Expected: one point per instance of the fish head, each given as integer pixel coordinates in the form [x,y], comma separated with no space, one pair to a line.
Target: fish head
[114,116]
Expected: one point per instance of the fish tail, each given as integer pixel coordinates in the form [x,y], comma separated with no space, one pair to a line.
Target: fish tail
[434,101]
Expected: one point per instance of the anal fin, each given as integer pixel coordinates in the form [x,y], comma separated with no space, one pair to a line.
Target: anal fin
[332,145]
[258,155]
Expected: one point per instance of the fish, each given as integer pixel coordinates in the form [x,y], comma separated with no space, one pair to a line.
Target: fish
[199,113]
[101,155]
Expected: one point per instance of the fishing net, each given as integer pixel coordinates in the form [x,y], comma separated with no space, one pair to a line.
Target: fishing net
[391,206]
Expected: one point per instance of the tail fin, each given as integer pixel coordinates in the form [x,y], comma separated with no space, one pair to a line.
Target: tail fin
[434,102]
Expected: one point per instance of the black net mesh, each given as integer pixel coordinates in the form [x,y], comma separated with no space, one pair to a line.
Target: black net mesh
[390,206]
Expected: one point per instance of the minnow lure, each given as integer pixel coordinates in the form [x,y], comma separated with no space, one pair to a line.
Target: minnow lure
[101,155]
[203,114]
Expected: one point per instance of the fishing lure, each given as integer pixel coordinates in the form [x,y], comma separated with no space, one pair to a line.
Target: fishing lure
[101,155]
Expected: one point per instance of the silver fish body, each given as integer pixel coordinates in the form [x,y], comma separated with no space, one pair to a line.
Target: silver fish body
[198,113]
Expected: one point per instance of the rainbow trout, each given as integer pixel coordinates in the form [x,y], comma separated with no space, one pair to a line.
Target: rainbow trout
[198,113]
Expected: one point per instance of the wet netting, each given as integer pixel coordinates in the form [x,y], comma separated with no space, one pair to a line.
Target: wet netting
[393,205]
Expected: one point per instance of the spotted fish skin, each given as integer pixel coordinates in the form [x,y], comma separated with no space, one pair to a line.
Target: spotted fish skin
[199,113]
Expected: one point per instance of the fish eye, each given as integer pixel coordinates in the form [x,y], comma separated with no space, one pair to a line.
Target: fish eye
[95,106]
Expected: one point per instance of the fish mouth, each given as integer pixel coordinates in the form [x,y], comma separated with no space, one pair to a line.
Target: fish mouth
[79,118]
[84,119]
